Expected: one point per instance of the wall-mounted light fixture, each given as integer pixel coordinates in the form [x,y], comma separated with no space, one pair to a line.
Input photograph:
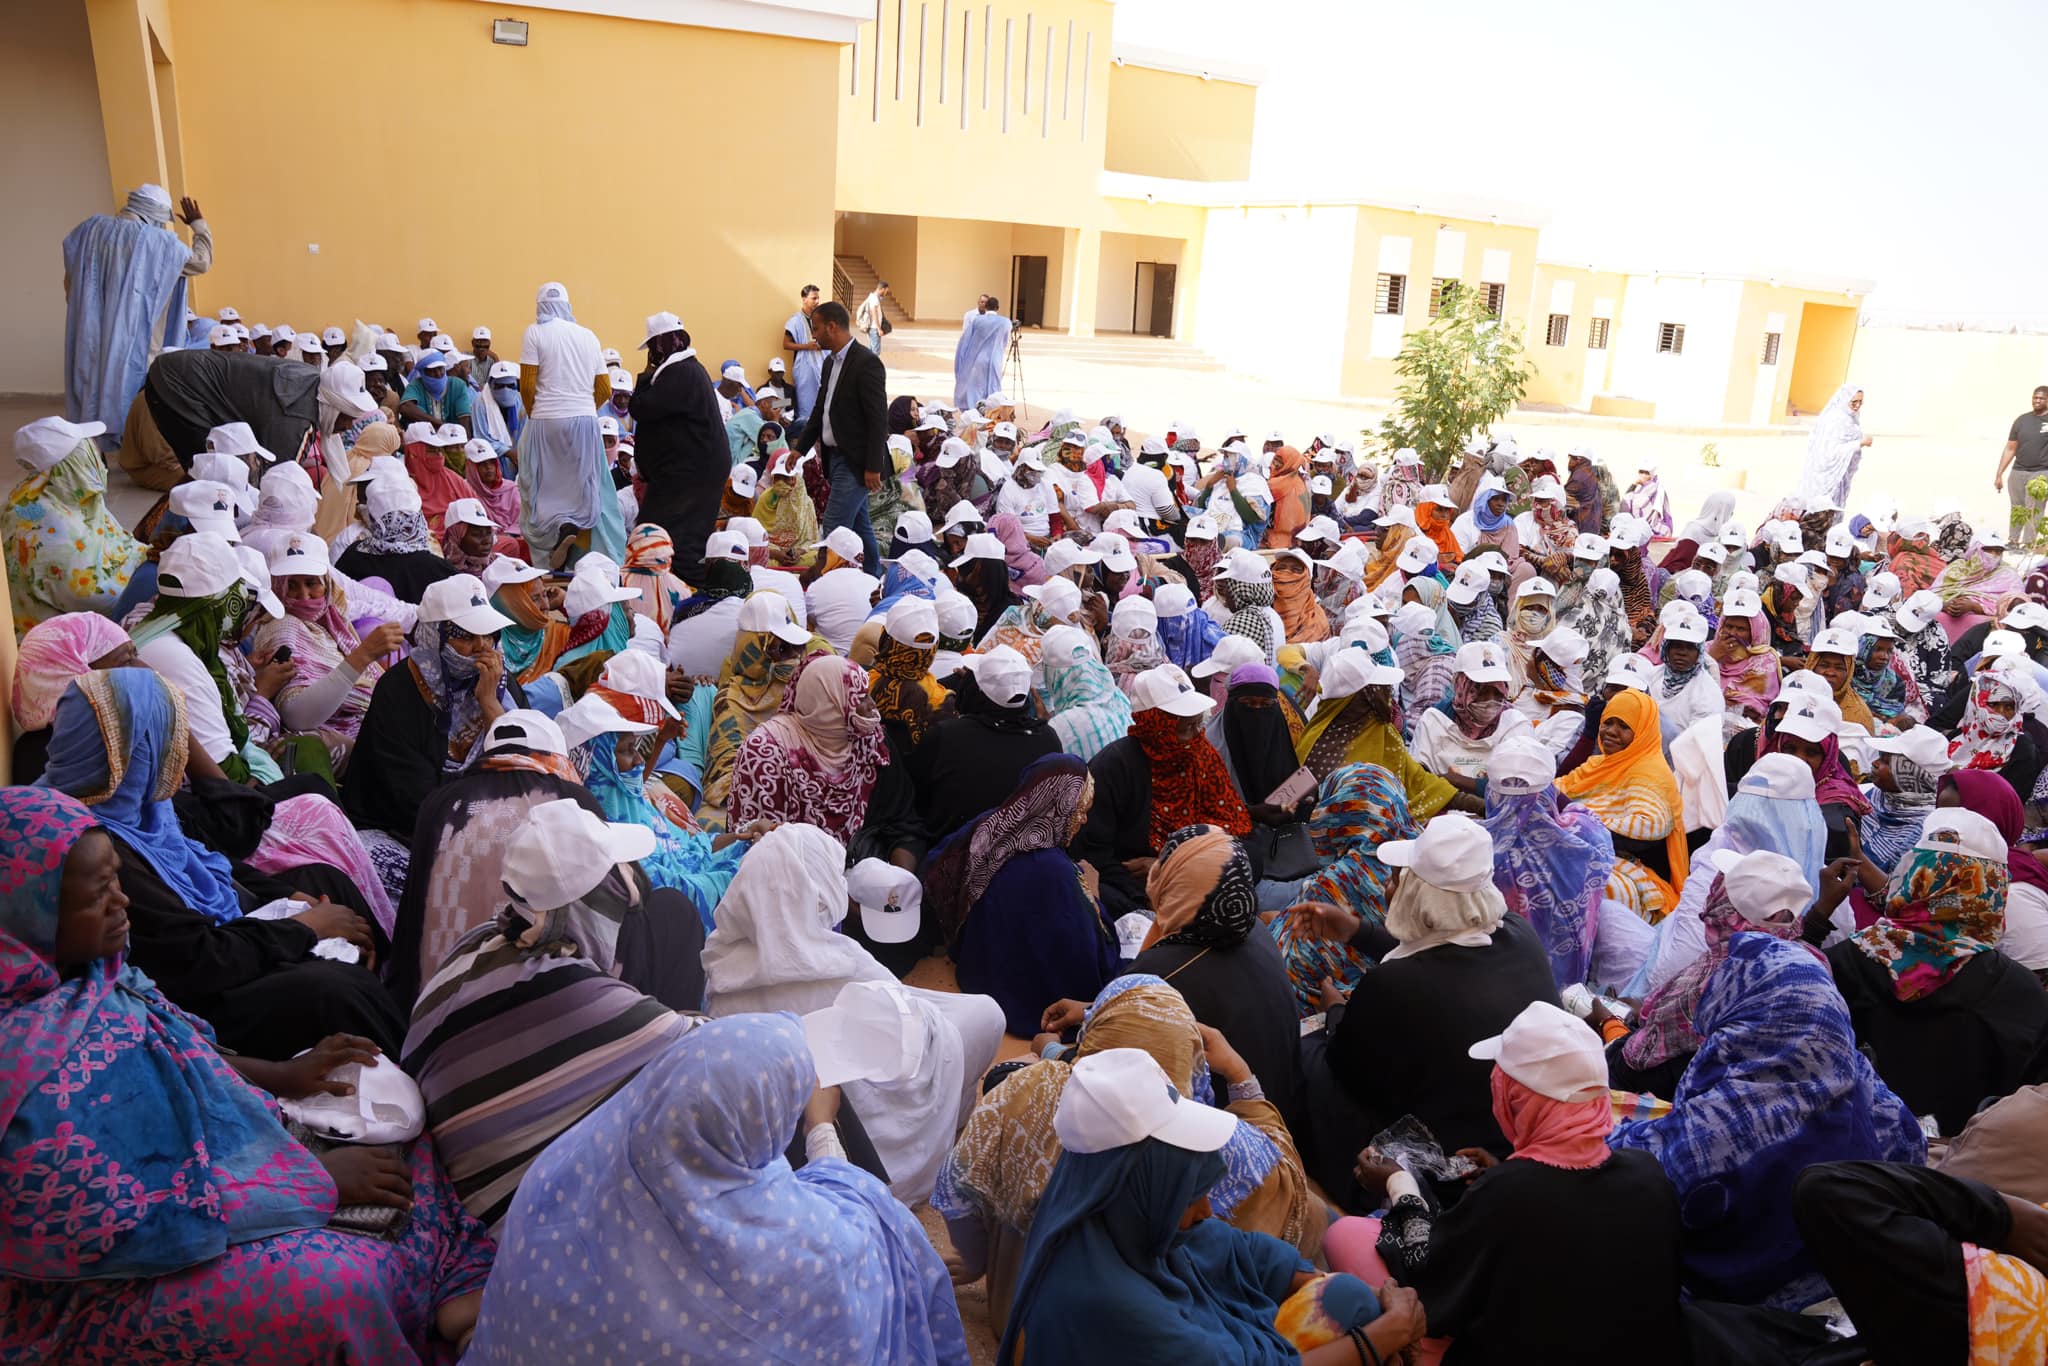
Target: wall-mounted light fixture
[511,32]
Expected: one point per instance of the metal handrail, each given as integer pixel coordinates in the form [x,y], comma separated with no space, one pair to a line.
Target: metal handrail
[842,288]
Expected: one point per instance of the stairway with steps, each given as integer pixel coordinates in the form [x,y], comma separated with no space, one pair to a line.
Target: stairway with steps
[861,280]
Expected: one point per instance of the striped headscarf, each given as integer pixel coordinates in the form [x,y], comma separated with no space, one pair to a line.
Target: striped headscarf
[1040,814]
[1360,807]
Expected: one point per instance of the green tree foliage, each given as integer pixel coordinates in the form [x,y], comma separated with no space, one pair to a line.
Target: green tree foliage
[1459,375]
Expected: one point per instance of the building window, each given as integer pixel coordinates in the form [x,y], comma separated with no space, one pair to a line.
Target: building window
[1771,347]
[1441,292]
[1559,330]
[1392,294]
[1496,299]
[1596,334]
[1670,339]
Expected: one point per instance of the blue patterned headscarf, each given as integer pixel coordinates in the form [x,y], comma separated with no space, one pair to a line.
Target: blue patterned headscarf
[1190,638]
[1777,1085]
[670,1216]
[1551,865]
[128,1147]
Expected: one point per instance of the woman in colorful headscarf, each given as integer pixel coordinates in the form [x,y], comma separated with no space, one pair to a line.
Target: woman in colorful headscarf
[1088,711]
[1913,558]
[1359,808]
[229,1212]
[1777,1085]
[1901,800]
[1358,728]
[905,694]
[334,668]
[815,760]
[1186,633]
[119,744]
[339,499]
[1948,1017]
[397,547]
[750,690]
[427,462]
[1991,732]
[786,510]
[1645,500]
[51,655]
[710,1220]
[1976,586]
[989,1188]
[1629,786]
[1884,685]
[650,556]
[1287,480]
[1749,667]
[499,495]
[1638,602]
[1402,483]
[65,551]
[1551,861]
[1294,599]
[1024,926]
[1433,520]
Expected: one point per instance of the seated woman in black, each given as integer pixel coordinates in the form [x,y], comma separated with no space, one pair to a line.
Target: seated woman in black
[118,744]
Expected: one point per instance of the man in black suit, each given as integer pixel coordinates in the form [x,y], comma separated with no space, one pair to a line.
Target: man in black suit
[849,426]
[681,446]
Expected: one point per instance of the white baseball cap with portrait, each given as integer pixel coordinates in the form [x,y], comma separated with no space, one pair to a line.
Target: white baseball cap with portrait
[1483,661]
[564,851]
[1165,688]
[1521,765]
[1059,598]
[463,600]
[1122,1096]
[1468,583]
[592,716]
[1589,547]
[300,553]
[1417,556]
[1550,1051]
[1923,745]
[1630,671]
[1811,718]
[1764,887]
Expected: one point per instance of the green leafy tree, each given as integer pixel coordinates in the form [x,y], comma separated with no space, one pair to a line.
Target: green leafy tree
[1459,375]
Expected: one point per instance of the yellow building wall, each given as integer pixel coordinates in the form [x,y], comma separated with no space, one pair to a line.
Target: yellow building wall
[960,259]
[1364,374]
[1746,370]
[888,242]
[1924,382]
[1041,168]
[1163,123]
[1827,337]
[1181,224]
[1566,375]
[1116,295]
[443,226]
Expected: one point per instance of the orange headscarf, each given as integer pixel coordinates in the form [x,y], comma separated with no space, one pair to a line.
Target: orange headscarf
[1433,522]
[1382,562]
[1634,793]
[1288,483]
[1295,600]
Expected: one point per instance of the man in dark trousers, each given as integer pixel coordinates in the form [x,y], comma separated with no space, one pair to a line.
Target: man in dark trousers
[680,445]
[850,425]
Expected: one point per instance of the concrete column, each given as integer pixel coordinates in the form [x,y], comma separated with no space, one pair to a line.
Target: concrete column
[1084,275]
[124,59]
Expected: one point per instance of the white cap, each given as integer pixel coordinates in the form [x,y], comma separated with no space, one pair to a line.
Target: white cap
[743,480]
[1520,765]
[1438,494]
[1811,718]
[41,444]
[1733,537]
[1742,603]
[1566,645]
[592,716]
[1807,681]
[1780,777]
[777,367]
[1924,745]
[1992,538]
[660,325]
[1840,544]
[1453,852]
[207,504]
[1713,552]
[872,1031]
[593,588]
[1630,671]
[2026,616]
[462,599]
[525,728]
[957,615]
[1918,612]
[1167,689]
[1538,587]
[236,438]
[611,357]
[914,527]
[961,514]
[333,336]
[1172,600]
[1589,547]
[1121,1096]
[565,851]
[931,421]
[770,612]
[912,621]
[2002,642]
[1547,488]
[433,358]
[1063,555]
[1134,615]
[1416,556]
[503,569]
[638,674]
[1551,1051]
[1060,598]
[256,573]
[1349,560]
[222,335]
[845,542]
[1468,583]
[1347,672]
[726,545]
[1124,522]
[309,344]
[1483,661]
[300,554]
[1407,455]
[197,565]
[427,325]
[383,496]
[449,434]
[1004,675]
[1834,641]
[1764,887]
[467,512]
[607,425]
[1233,650]
[1958,830]
[1492,561]
[1114,552]
[1627,533]
[229,315]
[504,369]
[981,545]
[1786,538]
[1202,527]
[1003,431]
[1689,627]
[751,532]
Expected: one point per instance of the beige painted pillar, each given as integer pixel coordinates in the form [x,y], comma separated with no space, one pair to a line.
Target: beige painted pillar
[1084,275]
[125,61]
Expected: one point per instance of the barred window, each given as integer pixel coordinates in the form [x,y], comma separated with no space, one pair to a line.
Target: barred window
[1392,294]
[1559,330]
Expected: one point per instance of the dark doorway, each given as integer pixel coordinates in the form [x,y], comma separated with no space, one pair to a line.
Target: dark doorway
[1027,290]
[1162,300]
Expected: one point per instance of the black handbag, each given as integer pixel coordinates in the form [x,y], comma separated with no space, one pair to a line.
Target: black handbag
[887,327]
[1283,853]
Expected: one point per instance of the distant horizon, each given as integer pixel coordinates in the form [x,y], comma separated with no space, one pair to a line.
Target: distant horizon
[1760,151]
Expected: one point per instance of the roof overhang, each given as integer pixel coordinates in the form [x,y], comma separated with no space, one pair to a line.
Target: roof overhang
[825,21]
